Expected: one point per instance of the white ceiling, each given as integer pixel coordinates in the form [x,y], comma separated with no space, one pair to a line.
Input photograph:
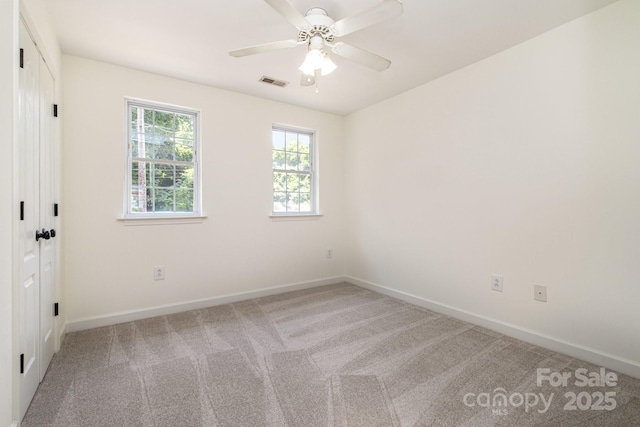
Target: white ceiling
[190,39]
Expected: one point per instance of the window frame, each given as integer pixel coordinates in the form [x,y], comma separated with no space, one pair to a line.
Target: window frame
[197,174]
[313,172]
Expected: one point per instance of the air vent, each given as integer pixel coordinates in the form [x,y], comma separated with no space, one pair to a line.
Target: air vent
[272,81]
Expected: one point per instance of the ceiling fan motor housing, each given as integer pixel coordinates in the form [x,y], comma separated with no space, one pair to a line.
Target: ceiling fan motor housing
[320,25]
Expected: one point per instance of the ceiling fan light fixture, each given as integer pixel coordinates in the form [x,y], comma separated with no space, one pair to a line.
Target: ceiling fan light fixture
[328,66]
[313,61]
[317,60]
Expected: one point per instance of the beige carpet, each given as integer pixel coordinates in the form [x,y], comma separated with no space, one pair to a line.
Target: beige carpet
[336,355]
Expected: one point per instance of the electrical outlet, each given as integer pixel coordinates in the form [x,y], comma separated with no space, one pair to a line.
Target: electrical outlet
[540,293]
[496,282]
[158,272]
[329,253]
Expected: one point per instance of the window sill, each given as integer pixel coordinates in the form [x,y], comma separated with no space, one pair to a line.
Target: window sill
[162,220]
[295,217]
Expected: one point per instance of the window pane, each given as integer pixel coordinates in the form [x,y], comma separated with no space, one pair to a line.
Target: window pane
[279,181]
[305,202]
[163,175]
[293,202]
[184,126]
[163,151]
[292,161]
[138,200]
[160,136]
[293,183]
[140,174]
[147,150]
[278,139]
[135,135]
[184,200]
[184,152]
[305,162]
[164,121]
[305,183]
[184,177]
[147,118]
[278,159]
[279,202]
[292,141]
[163,200]
[304,142]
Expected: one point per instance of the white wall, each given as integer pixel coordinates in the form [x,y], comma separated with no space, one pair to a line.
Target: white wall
[238,248]
[8,103]
[526,164]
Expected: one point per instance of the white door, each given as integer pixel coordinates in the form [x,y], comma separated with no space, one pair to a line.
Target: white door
[47,245]
[36,245]
[29,249]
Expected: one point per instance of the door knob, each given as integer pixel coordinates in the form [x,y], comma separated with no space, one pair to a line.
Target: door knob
[44,235]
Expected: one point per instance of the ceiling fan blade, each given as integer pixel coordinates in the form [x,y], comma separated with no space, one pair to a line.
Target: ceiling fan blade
[386,9]
[361,56]
[261,48]
[290,13]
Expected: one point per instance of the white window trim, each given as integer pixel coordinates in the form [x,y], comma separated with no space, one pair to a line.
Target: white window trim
[296,217]
[157,218]
[315,192]
[168,220]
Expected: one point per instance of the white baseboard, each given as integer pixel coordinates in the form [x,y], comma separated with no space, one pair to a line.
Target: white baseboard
[129,316]
[624,366]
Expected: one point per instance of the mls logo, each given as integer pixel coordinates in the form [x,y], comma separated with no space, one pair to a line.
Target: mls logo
[500,411]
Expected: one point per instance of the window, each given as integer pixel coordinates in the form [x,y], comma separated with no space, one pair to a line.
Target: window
[293,171]
[162,153]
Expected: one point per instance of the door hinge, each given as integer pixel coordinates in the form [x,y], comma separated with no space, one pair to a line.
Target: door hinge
[55,309]
[55,209]
[22,363]
[21,58]
[55,110]
[21,211]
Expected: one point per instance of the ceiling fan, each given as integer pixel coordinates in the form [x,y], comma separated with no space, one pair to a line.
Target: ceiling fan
[317,30]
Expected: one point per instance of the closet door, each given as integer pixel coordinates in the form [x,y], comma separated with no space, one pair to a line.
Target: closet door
[36,336]
[29,248]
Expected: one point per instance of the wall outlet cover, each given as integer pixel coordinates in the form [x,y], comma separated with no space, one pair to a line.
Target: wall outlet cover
[158,272]
[496,282]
